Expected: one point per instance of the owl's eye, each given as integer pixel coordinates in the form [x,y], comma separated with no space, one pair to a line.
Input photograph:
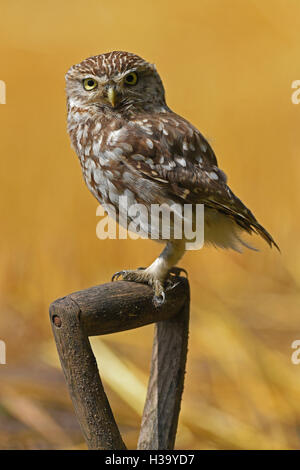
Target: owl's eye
[131,79]
[89,84]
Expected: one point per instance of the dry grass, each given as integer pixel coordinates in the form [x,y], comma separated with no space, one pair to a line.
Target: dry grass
[228,67]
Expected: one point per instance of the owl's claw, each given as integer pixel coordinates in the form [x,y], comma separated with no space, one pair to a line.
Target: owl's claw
[117,275]
[171,284]
[158,300]
[159,287]
[141,275]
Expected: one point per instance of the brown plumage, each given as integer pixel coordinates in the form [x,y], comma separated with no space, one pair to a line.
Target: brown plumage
[130,143]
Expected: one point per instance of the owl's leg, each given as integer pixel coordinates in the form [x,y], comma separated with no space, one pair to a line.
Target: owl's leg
[156,274]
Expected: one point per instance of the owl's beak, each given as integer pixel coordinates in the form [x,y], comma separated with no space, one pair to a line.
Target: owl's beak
[112,96]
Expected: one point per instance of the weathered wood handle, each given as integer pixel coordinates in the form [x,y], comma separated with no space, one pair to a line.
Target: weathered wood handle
[110,308]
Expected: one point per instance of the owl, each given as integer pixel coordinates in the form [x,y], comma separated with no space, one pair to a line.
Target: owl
[130,143]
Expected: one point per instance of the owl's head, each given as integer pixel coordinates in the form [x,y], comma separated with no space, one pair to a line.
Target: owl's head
[116,80]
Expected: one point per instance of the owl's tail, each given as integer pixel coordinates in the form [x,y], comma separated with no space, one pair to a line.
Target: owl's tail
[260,230]
[244,218]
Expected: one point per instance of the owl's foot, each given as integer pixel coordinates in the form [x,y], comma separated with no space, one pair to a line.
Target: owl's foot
[141,275]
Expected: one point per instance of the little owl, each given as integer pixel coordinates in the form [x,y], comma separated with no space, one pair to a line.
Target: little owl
[130,143]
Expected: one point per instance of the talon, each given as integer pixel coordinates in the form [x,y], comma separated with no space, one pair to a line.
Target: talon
[168,284]
[171,285]
[158,300]
[116,276]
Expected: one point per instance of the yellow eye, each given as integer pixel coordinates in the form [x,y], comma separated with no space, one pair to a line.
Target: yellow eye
[89,84]
[131,79]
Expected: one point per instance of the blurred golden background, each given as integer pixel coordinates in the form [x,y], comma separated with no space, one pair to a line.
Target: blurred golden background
[227,66]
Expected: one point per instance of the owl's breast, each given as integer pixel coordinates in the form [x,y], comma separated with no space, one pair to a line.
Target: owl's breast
[116,158]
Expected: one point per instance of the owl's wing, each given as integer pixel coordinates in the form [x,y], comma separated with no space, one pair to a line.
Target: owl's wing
[182,162]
